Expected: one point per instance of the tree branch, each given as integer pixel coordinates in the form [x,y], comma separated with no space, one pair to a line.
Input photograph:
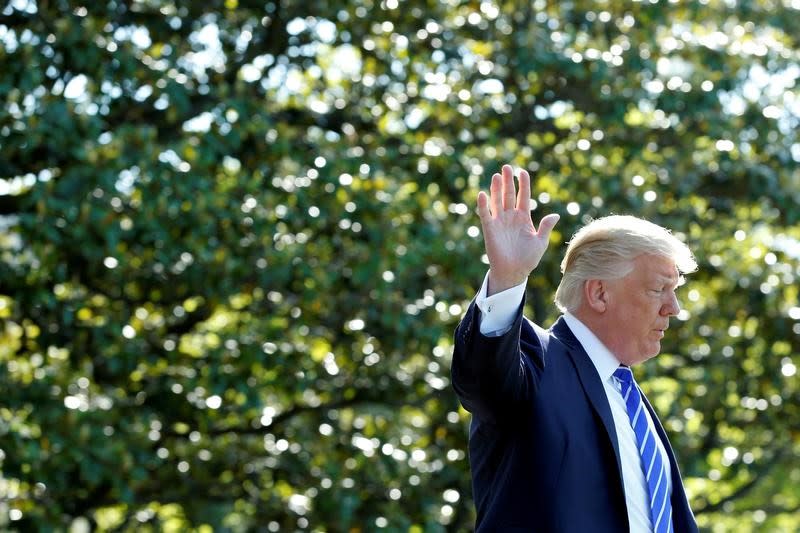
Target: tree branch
[14,204]
[364,397]
[757,477]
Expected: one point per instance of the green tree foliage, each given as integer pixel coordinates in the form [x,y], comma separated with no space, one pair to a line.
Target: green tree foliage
[237,236]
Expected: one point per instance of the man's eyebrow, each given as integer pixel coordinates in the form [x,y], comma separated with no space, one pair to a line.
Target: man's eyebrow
[671,279]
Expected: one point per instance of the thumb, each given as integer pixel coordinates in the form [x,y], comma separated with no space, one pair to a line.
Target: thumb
[546,226]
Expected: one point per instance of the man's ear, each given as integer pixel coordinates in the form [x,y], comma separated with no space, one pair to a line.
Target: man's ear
[595,295]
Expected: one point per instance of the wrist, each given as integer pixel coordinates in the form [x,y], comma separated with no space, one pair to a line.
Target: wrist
[500,283]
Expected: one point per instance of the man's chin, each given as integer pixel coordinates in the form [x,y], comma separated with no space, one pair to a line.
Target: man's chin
[654,352]
[638,359]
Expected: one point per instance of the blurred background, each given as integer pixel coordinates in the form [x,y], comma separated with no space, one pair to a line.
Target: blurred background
[236,237]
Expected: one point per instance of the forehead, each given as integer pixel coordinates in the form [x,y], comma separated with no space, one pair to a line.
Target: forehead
[655,267]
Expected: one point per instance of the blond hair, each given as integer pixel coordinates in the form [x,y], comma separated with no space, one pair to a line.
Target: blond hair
[605,249]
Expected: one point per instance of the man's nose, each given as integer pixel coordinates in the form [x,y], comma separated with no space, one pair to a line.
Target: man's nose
[672,307]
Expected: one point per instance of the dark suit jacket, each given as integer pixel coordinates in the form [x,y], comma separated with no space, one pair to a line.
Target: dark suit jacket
[542,446]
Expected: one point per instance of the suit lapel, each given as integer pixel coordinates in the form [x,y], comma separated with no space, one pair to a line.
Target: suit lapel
[591,382]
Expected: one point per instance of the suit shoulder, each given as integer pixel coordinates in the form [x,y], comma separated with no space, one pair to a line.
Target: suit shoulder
[534,333]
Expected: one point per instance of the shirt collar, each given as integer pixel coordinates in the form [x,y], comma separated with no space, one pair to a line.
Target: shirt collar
[604,361]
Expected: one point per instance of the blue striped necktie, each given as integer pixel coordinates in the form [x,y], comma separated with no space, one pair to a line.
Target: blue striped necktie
[655,471]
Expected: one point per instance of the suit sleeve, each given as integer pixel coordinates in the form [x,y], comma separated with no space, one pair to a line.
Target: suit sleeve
[492,376]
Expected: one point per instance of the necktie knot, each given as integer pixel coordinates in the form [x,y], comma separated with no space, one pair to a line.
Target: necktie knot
[624,374]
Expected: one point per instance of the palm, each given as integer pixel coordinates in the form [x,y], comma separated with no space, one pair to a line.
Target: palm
[512,241]
[514,246]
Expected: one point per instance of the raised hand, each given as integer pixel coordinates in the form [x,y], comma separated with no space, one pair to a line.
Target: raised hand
[513,244]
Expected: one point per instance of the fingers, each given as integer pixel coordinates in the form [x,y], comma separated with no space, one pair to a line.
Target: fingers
[495,199]
[524,195]
[483,207]
[546,226]
[504,195]
[509,191]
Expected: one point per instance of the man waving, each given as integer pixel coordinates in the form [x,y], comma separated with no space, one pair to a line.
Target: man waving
[562,438]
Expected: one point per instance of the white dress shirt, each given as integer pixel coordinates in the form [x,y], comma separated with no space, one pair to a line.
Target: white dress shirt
[497,316]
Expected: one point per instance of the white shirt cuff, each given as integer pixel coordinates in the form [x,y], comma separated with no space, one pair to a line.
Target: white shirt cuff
[498,310]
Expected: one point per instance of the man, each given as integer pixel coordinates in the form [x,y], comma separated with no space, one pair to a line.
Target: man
[562,439]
